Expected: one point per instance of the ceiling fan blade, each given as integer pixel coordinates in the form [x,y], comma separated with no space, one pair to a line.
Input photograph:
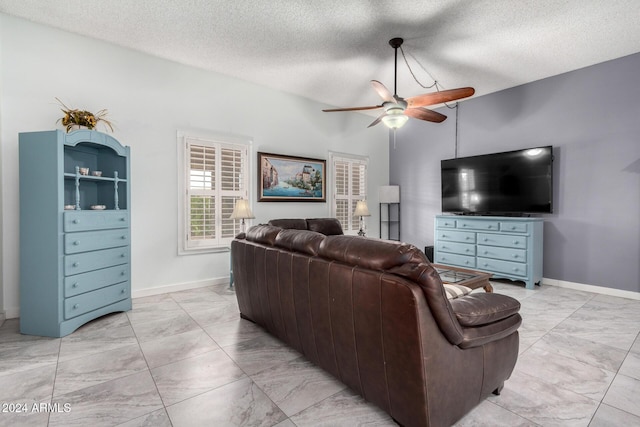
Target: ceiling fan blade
[377,120]
[425,114]
[439,97]
[383,91]
[372,107]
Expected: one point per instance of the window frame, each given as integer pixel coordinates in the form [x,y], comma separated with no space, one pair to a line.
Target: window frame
[218,142]
[351,159]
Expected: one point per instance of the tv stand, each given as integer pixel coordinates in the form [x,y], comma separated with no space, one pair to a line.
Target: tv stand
[508,247]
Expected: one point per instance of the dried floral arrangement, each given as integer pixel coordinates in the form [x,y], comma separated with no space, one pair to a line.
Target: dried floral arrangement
[73,117]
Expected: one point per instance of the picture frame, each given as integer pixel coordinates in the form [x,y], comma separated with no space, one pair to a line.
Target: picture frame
[283,178]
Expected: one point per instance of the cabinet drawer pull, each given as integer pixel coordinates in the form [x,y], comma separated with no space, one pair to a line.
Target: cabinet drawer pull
[123,273]
[123,237]
[515,255]
[486,252]
[515,242]
[464,225]
[122,255]
[516,269]
[123,291]
[488,226]
[76,243]
[76,264]
[467,238]
[486,264]
[123,219]
[75,285]
[76,221]
[486,239]
[76,306]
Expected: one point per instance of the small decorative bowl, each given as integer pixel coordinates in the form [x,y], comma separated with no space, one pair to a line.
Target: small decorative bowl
[96,173]
[84,171]
[98,207]
[69,207]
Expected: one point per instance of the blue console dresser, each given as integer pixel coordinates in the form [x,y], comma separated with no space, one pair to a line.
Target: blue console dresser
[74,230]
[508,247]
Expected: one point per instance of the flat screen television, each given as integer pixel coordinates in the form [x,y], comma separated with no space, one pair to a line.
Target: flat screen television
[511,183]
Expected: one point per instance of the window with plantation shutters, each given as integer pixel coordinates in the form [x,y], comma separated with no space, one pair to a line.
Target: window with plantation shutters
[215,175]
[349,179]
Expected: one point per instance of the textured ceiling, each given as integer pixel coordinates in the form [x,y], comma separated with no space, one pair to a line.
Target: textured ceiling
[329,50]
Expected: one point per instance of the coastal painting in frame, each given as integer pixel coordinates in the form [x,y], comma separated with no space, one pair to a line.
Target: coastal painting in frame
[291,179]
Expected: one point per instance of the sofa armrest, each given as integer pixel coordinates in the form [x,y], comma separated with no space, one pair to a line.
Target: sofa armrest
[486,317]
[482,309]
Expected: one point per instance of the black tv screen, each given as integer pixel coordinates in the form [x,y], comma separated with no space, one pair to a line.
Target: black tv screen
[513,182]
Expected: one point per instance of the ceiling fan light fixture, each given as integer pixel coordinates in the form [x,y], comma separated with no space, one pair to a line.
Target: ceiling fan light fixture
[395,118]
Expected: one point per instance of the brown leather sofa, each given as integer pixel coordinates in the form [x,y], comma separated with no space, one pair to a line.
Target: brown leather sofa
[374,314]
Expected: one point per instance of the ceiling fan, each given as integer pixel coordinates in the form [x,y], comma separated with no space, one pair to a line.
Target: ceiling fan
[397,110]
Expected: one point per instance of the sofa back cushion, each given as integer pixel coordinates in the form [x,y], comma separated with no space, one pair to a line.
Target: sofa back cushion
[265,234]
[304,241]
[290,223]
[326,226]
[369,253]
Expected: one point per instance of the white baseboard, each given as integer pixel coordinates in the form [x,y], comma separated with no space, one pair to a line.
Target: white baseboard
[178,287]
[591,288]
[11,313]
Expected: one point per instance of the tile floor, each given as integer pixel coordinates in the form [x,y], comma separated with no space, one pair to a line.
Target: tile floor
[187,359]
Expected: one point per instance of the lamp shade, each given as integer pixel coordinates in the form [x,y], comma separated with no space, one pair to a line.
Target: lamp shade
[389,194]
[242,210]
[361,209]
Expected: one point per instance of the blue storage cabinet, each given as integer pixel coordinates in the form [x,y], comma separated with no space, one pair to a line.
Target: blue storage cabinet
[74,262]
[508,247]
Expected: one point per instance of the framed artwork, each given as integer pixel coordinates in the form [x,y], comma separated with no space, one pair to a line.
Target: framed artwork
[291,179]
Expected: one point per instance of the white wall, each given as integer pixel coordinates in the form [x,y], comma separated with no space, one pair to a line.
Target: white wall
[148,100]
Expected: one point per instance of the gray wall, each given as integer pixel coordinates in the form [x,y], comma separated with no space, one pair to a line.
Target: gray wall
[592,118]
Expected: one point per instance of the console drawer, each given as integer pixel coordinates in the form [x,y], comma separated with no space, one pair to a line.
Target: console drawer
[445,223]
[456,248]
[454,259]
[507,267]
[457,236]
[506,240]
[94,240]
[88,261]
[514,227]
[497,252]
[85,282]
[90,301]
[478,224]
[95,220]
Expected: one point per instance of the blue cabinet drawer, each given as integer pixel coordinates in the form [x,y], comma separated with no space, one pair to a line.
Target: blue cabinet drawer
[506,240]
[95,220]
[445,223]
[454,259]
[94,240]
[88,261]
[507,267]
[457,236]
[90,301]
[456,248]
[85,282]
[514,227]
[478,224]
[497,252]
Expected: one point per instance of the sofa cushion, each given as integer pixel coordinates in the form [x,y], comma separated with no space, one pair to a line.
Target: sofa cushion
[304,241]
[326,226]
[265,234]
[369,253]
[484,308]
[290,223]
